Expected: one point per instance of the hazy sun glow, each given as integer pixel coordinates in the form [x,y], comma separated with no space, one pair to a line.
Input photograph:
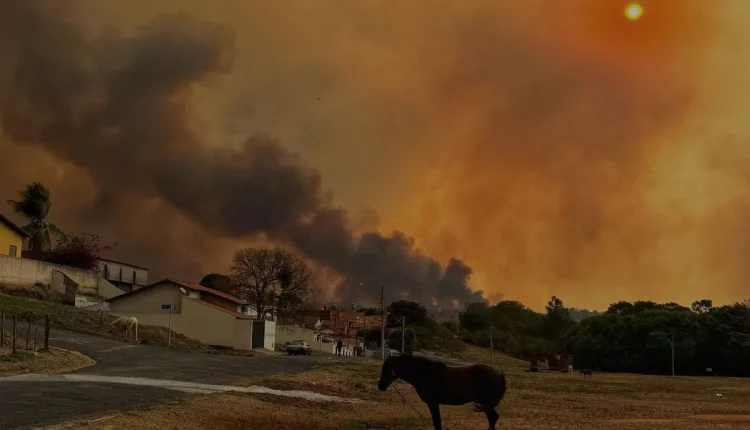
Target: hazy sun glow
[633,11]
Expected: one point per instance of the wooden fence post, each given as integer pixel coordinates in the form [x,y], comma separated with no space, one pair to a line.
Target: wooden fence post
[13,338]
[28,333]
[46,331]
[36,330]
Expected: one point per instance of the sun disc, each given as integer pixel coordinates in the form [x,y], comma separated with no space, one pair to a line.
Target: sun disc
[633,11]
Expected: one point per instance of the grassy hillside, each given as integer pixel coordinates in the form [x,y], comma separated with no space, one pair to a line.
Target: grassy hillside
[86,321]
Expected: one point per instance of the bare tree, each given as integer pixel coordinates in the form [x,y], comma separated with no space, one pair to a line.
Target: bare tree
[275,281]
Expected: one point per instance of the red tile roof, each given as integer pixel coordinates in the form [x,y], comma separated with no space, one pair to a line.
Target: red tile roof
[219,308]
[189,286]
[199,287]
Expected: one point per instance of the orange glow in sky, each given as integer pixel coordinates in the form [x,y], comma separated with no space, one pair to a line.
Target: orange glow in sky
[633,11]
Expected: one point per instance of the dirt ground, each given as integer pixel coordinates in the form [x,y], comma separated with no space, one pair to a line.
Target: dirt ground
[533,401]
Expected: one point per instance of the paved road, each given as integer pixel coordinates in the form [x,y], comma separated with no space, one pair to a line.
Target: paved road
[25,404]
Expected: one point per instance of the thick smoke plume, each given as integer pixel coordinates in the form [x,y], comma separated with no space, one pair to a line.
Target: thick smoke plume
[117,106]
[557,148]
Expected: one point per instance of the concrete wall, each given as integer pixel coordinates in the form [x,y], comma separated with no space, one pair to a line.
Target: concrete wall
[207,324]
[148,301]
[114,269]
[107,290]
[243,334]
[24,271]
[9,237]
[285,333]
[63,284]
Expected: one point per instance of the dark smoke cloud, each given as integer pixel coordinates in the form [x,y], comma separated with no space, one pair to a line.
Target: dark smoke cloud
[117,106]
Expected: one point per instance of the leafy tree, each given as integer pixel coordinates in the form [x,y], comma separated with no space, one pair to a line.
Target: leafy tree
[451,326]
[621,308]
[640,339]
[218,282]
[410,339]
[702,306]
[83,251]
[557,321]
[274,280]
[415,313]
[475,317]
[34,205]
[372,311]
[578,315]
[371,335]
[514,317]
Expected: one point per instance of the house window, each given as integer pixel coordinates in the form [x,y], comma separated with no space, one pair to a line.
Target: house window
[13,251]
[243,309]
[134,276]
[106,272]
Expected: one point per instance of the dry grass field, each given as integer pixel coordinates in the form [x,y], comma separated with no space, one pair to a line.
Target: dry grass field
[55,360]
[533,401]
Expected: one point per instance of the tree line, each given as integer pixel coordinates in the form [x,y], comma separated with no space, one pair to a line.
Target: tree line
[632,337]
[423,331]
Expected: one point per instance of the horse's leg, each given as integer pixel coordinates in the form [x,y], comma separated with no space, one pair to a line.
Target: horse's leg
[435,412]
[492,417]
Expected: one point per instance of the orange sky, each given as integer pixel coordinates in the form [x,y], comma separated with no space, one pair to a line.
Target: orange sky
[556,147]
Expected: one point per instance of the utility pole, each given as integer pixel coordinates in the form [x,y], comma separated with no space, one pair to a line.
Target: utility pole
[169,336]
[492,361]
[403,335]
[671,343]
[382,323]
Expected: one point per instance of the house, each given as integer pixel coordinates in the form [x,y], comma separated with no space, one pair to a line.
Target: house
[11,238]
[201,313]
[127,277]
[334,326]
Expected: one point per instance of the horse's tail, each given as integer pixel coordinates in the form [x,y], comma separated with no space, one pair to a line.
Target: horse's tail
[499,393]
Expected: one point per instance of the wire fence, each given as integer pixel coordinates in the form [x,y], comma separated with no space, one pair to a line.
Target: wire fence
[24,331]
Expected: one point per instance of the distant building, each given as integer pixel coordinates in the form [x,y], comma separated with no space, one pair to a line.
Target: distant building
[127,277]
[11,238]
[210,316]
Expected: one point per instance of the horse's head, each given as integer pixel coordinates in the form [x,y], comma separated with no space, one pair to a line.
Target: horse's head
[388,374]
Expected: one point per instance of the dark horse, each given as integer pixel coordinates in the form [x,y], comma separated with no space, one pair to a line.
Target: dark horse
[438,384]
[586,372]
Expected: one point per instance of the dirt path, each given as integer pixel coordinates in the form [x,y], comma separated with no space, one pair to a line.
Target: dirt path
[184,387]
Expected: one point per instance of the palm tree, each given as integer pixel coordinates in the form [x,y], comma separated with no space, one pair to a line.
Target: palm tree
[35,205]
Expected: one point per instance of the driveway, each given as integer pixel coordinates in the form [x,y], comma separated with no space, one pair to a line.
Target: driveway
[29,404]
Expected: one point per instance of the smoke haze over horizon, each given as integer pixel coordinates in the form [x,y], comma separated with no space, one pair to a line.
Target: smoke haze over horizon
[524,150]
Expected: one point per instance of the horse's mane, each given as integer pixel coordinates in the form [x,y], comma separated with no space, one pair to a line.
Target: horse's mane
[423,363]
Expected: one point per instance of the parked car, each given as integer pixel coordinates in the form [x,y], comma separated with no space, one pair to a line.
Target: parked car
[297,347]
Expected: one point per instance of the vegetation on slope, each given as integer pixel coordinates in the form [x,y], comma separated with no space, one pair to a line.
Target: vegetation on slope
[86,321]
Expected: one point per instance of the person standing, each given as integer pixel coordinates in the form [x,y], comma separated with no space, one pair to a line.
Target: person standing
[339,345]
